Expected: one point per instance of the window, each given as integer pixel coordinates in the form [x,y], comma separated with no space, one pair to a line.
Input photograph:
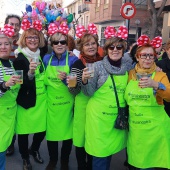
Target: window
[97,3]
[140,3]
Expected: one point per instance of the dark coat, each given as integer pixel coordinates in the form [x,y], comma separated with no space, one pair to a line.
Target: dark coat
[27,93]
[165,66]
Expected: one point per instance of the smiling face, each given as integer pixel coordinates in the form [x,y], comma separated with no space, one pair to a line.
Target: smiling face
[146,57]
[115,51]
[90,47]
[60,45]
[32,42]
[5,48]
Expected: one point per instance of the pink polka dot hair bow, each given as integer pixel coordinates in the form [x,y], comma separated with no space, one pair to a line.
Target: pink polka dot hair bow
[26,24]
[8,30]
[53,28]
[144,39]
[110,31]
[80,30]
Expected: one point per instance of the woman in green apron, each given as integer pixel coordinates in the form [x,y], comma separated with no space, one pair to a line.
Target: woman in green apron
[8,94]
[102,140]
[148,143]
[88,45]
[32,107]
[59,100]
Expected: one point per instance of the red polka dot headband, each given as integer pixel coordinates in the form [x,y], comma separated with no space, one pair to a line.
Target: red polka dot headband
[26,24]
[80,30]
[8,30]
[110,32]
[144,39]
[53,28]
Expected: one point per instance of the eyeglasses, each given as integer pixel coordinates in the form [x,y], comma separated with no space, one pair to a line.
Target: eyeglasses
[90,44]
[145,55]
[118,47]
[62,42]
[35,38]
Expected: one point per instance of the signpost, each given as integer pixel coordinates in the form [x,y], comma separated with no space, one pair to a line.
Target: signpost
[128,11]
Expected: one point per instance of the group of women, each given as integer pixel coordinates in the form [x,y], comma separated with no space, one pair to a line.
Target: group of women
[43,105]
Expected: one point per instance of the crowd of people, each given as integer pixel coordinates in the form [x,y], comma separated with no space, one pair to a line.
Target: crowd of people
[50,106]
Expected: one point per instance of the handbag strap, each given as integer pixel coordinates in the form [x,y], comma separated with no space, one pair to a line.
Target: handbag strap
[114,86]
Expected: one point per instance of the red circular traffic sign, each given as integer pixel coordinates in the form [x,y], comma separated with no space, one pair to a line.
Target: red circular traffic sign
[128,10]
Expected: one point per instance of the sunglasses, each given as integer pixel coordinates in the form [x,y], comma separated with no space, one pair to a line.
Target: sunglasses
[118,47]
[62,42]
[145,55]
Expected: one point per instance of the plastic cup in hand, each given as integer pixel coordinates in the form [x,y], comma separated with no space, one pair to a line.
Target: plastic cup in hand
[140,75]
[90,67]
[19,73]
[72,80]
[36,60]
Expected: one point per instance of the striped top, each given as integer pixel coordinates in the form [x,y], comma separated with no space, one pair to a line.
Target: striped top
[77,68]
[8,70]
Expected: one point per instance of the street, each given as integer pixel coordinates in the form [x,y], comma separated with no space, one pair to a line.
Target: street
[14,162]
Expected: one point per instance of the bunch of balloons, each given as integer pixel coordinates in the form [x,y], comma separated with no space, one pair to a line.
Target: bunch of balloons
[47,12]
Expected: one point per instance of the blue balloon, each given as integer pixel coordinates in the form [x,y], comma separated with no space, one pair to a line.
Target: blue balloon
[28,8]
[37,11]
[30,20]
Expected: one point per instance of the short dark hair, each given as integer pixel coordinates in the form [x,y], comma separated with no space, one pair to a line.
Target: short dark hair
[12,16]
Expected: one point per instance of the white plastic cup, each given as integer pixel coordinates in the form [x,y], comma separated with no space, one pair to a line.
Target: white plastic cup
[36,60]
[90,67]
[140,75]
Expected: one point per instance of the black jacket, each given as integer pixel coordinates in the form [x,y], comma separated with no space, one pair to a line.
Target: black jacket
[165,66]
[27,93]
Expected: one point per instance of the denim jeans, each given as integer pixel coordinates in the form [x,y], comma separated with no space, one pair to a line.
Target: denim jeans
[101,163]
[2,160]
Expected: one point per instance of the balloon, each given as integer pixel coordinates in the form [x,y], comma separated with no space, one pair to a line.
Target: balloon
[34,14]
[29,14]
[64,15]
[42,6]
[70,18]
[37,11]
[37,4]
[28,8]
[58,18]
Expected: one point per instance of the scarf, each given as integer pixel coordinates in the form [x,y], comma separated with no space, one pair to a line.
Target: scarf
[30,54]
[138,69]
[89,59]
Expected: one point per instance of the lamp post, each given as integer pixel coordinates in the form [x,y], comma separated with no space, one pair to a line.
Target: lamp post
[137,22]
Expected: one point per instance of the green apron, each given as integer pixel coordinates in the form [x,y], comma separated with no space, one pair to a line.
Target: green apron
[101,138]
[60,105]
[149,135]
[8,109]
[33,120]
[79,119]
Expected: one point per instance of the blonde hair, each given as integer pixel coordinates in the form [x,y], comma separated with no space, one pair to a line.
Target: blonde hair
[22,40]
[4,36]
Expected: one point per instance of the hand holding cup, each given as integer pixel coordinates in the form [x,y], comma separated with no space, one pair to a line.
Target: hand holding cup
[72,80]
